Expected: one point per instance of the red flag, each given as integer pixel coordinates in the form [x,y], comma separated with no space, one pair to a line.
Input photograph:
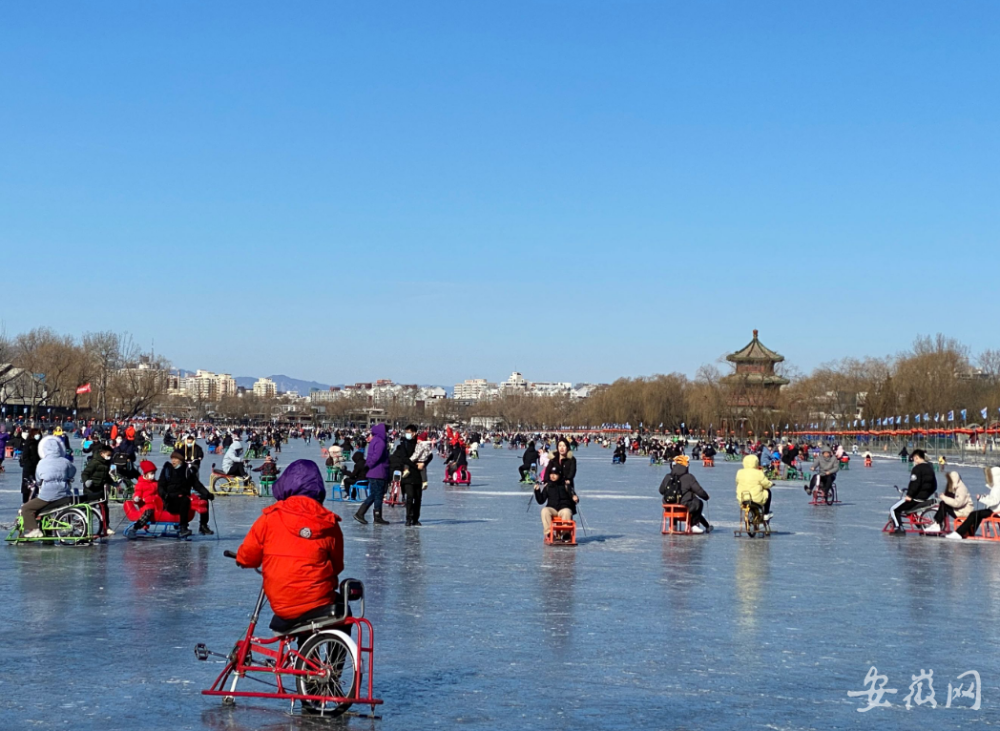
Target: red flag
[85,388]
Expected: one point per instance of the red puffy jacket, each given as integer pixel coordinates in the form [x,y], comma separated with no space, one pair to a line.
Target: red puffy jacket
[146,491]
[301,549]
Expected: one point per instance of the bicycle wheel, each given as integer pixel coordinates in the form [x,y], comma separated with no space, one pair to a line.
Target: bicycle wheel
[71,526]
[749,524]
[831,495]
[328,653]
[926,516]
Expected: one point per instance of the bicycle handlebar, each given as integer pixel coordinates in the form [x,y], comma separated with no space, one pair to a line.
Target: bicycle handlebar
[229,554]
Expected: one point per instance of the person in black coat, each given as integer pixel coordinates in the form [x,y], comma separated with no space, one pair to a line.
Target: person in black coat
[558,494]
[29,463]
[923,485]
[176,482]
[530,457]
[359,472]
[456,458]
[412,481]
[691,493]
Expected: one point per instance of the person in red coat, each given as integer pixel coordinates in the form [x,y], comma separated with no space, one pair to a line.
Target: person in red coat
[146,505]
[146,496]
[298,544]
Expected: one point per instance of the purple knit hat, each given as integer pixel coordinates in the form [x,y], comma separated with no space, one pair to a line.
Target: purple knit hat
[301,477]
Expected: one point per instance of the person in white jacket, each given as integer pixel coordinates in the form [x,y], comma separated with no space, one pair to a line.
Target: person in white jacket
[232,462]
[955,502]
[991,501]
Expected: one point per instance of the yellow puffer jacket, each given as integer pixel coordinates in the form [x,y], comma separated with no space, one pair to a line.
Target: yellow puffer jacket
[751,480]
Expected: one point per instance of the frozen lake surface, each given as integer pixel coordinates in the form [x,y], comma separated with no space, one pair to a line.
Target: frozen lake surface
[479,625]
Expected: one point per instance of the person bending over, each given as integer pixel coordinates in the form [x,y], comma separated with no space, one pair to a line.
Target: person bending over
[681,487]
[529,458]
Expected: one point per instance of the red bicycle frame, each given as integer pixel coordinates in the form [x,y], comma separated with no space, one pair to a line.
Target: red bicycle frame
[257,655]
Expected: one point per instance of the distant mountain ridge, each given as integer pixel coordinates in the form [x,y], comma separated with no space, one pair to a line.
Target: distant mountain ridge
[285,383]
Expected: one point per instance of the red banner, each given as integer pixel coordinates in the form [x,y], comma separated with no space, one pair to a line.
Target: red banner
[85,388]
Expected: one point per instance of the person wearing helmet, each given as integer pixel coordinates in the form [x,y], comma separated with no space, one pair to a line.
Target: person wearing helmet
[681,487]
[64,438]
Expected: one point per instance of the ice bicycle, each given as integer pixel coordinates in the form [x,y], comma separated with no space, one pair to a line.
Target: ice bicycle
[458,476]
[219,483]
[69,521]
[311,659]
[394,496]
[752,520]
[819,495]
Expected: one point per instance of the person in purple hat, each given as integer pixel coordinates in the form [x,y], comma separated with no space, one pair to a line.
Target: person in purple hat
[297,543]
[377,462]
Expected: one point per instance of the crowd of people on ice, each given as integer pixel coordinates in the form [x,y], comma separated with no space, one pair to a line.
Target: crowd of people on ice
[298,542]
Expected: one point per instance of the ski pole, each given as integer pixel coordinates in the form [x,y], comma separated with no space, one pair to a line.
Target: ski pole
[583,521]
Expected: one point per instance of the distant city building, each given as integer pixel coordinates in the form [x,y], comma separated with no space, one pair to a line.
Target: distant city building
[550,389]
[584,390]
[265,388]
[331,394]
[479,389]
[476,389]
[18,387]
[203,385]
[514,385]
[380,394]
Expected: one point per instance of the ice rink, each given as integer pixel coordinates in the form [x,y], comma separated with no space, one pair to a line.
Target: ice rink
[479,625]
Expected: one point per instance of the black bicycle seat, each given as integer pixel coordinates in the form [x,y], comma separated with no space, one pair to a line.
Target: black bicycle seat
[328,614]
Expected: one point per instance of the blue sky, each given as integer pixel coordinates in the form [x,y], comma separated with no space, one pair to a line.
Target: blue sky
[444,190]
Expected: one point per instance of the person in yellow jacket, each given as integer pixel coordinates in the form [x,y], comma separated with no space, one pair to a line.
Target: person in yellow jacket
[750,480]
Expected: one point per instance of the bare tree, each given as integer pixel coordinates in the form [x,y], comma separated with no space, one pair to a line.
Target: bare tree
[103,349]
[53,361]
[140,382]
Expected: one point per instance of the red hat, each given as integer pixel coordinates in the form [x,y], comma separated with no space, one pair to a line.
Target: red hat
[147,466]
[422,436]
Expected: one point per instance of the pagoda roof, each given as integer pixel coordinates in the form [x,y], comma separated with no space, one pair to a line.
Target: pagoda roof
[755,351]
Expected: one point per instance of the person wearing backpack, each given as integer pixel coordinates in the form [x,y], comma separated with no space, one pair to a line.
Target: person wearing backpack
[682,488]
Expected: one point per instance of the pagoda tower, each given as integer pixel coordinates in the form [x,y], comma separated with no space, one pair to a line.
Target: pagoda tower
[754,384]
